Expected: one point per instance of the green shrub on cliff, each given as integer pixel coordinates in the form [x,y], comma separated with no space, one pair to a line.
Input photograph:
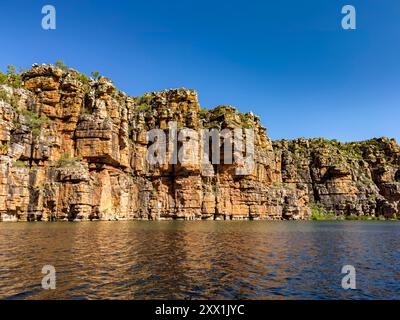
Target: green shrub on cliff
[4,148]
[34,121]
[246,121]
[4,96]
[14,79]
[3,78]
[9,98]
[203,113]
[318,212]
[142,103]
[19,164]
[143,100]
[143,108]
[80,76]
[60,64]
[221,111]
[11,78]
[83,78]
[68,161]
[213,125]
[95,75]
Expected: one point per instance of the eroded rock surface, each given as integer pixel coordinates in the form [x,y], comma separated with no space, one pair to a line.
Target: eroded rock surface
[73,148]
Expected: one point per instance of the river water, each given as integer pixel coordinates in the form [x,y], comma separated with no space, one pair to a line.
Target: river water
[200,259]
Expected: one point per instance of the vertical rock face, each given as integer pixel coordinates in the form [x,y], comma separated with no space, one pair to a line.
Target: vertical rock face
[346,178]
[73,148]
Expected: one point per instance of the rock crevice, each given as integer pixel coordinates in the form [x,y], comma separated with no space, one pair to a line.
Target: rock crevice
[73,148]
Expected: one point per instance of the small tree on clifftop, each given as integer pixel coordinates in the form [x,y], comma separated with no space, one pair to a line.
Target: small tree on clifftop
[95,75]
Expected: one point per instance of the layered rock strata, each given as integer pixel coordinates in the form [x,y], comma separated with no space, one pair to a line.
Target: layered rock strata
[73,148]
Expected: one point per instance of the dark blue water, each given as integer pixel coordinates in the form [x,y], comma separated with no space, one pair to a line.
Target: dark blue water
[200,259]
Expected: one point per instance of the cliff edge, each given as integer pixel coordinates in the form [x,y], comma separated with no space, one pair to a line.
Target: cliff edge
[74,148]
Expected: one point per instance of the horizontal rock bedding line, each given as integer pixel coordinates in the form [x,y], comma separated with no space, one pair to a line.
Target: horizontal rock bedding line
[74,148]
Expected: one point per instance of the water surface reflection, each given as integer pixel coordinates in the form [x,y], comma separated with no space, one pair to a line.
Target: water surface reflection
[200,260]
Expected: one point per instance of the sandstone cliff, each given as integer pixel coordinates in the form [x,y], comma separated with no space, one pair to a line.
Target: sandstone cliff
[74,148]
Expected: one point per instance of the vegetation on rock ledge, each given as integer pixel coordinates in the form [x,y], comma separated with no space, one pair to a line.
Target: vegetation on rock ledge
[12,77]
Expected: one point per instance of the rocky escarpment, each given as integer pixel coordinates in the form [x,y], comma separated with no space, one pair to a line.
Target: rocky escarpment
[359,178]
[74,148]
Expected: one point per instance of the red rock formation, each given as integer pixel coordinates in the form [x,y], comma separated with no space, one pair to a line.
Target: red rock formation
[73,148]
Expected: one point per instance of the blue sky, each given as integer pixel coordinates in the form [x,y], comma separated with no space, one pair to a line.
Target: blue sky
[288,61]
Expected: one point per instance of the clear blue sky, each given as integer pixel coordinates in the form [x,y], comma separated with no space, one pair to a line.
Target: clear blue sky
[287,61]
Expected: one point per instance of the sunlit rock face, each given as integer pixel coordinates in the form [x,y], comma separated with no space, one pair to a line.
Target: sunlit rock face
[345,178]
[74,148]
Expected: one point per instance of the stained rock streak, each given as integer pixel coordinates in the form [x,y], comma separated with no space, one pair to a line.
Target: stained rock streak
[73,148]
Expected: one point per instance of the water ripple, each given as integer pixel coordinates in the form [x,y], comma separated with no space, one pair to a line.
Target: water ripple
[200,260]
